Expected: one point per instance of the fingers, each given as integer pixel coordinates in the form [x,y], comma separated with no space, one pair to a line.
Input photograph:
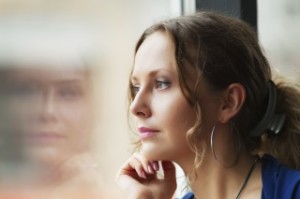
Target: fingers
[143,165]
[138,178]
[138,166]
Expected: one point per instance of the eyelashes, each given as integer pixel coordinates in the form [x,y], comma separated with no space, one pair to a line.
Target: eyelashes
[157,85]
[134,89]
[162,84]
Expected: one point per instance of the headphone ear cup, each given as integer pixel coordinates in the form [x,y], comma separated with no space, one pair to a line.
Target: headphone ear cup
[268,117]
[277,123]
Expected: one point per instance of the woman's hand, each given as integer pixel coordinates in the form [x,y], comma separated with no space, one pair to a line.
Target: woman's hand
[138,179]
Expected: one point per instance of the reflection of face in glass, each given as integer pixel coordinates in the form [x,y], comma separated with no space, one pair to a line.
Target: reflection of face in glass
[50,109]
[49,121]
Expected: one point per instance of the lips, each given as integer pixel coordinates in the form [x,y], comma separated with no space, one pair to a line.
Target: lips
[43,137]
[147,132]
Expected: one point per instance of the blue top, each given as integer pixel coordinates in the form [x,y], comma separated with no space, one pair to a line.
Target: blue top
[279,182]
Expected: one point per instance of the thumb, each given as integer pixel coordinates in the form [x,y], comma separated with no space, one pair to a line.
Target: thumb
[169,170]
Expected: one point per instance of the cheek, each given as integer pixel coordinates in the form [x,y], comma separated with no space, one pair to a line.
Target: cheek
[22,108]
[177,114]
[182,121]
[177,121]
[76,123]
[20,114]
[77,116]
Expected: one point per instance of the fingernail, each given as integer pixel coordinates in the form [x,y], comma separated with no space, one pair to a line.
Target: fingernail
[155,166]
[150,169]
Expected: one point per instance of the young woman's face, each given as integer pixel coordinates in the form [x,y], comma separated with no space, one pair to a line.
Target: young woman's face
[49,111]
[162,113]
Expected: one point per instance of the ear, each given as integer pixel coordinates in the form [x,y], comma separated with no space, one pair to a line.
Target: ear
[234,97]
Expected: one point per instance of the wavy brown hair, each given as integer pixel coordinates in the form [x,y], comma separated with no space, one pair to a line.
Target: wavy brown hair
[224,50]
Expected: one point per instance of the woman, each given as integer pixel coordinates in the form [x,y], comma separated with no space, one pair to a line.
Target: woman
[48,109]
[49,122]
[202,95]
[46,131]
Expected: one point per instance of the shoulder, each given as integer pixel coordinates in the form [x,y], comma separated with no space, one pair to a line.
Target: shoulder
[189,195]
[279,181]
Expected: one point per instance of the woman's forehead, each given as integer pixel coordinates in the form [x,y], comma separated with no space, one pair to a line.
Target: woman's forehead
[157,50]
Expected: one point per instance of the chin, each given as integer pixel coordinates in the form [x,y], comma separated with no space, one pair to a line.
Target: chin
[47,156]
[152,152]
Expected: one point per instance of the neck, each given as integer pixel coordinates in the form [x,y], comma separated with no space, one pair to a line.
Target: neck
[216,181]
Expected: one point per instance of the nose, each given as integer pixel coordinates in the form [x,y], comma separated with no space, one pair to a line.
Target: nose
[48,106]
[140,106]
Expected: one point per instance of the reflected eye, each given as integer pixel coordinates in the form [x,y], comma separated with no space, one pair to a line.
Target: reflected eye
[69,92]
[23,90]
[162,84]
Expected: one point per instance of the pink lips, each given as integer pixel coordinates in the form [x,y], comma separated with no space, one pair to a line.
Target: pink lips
[44,137]
[147,132]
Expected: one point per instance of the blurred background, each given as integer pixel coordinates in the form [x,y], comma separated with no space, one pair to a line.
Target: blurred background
[278,31]
[103,33]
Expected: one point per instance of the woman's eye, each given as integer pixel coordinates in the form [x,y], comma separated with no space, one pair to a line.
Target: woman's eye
[135,89]
[159,84]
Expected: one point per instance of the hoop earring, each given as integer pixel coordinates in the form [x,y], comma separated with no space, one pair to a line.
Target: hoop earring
[213,149]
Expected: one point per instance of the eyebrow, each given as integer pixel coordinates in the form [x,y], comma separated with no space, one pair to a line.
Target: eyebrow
[152,73]
[69,81]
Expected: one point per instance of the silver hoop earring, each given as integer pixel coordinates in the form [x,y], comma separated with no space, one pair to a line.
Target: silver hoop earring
[212,134]
[212,142]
